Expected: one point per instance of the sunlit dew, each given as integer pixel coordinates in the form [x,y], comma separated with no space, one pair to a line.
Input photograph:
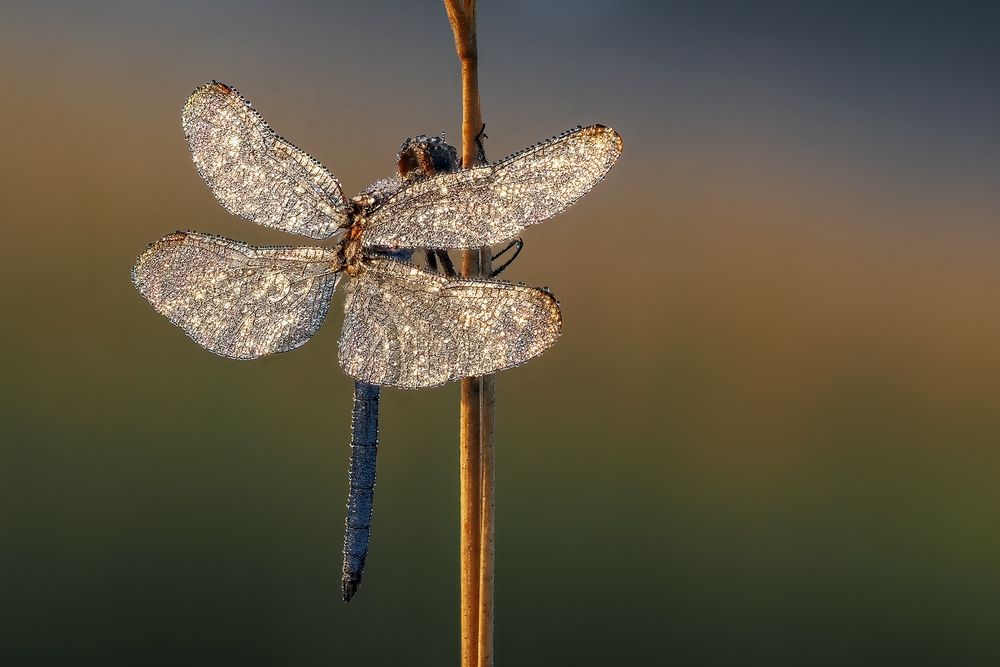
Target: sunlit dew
[403,326]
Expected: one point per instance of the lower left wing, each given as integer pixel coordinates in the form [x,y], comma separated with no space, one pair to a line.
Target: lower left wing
[237,300]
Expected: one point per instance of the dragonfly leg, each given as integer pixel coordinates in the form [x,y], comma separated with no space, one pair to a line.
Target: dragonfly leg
[364,450]
[432,263]
[480,149]
[449,268]
[518,245]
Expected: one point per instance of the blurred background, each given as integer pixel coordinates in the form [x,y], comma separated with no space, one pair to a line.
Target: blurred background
[769,434]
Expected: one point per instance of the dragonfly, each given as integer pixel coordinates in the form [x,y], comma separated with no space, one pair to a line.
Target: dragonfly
[404,326]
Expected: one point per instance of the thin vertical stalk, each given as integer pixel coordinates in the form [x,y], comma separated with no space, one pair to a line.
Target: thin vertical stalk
[470,491]
[470,472]
[477,394]
[487,456]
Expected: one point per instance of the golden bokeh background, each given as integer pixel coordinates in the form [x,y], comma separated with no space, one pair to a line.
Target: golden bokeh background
[769,434]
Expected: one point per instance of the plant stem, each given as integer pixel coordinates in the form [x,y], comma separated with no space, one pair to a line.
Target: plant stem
[487,457]
[470,489]
[477,394]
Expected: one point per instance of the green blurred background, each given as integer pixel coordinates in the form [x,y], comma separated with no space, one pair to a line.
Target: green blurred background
[769,432]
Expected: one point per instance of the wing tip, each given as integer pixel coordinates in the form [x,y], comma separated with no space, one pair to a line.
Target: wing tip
[224,92]
[605,131]
[552,304]
[171,239]
[221,88]
[213,89]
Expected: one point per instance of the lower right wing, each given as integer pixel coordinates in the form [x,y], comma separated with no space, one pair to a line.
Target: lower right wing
[406,327]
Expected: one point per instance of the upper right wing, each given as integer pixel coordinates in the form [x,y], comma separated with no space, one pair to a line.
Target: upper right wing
[489,204]
[256,174]
[234,299]
[406,327]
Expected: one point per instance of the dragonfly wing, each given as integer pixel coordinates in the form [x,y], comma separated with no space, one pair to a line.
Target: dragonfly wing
[406,327]
[234,299]
[256,174]
[489,204]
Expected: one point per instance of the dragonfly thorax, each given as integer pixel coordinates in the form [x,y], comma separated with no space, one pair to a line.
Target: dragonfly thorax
[350,250]
[419,158]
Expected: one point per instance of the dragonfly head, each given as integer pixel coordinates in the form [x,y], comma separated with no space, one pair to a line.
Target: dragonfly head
[422,156]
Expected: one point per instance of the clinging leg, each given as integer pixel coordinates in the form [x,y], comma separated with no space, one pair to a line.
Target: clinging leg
[518,245]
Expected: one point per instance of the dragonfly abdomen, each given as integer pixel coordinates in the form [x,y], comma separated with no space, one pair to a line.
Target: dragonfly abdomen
[364,449]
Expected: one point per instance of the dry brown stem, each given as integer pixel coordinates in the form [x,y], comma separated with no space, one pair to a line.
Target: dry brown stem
[477,395]
[487,456]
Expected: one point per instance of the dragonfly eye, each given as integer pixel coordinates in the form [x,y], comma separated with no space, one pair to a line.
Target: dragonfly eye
[422,156]
[407,162]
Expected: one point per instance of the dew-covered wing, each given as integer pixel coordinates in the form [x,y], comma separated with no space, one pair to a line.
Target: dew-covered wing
[405,327]
[256,174]
[234,299]
[486,205]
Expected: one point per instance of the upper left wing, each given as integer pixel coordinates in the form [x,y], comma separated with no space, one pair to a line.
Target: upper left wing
[406,327]
[234,299]
[256,174]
